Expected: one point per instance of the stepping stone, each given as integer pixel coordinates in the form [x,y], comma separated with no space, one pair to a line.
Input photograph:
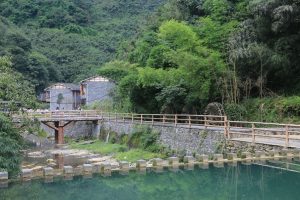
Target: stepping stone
[48,171]
[68,170]
[202,158]
[3,176]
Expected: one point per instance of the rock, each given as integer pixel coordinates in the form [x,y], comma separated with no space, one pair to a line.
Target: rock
[99,159]
[218,157]
[141,164]
[26,173]
[48,171]
[202,158]
[88,168]
[124,165]
[68,170]
[189,159]
[231,156]
[37,154]
[3,176]
[37,168]
[50,161]
[157,162]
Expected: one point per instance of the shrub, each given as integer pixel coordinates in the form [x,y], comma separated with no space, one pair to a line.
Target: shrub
[144,138]
[10,145]
[235,112]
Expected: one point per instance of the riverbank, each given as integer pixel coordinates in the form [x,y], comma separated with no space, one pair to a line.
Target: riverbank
[117,151]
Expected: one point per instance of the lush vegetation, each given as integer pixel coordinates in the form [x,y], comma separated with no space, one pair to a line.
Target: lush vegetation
[172,56]
[64,40]
[14,90]
[10,145]
[118,151]
[142,143]
[196,52]
[276,109]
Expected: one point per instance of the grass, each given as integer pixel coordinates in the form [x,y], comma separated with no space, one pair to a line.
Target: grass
[118,151]
[100,147]
[136,154]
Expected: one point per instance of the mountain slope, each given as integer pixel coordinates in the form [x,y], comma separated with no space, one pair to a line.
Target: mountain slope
[76,36]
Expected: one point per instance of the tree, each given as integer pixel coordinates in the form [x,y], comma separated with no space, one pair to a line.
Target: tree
[178,35]
[60,99]
[10,146]
[161,56]
[172,99]
[14,88]
[264,55]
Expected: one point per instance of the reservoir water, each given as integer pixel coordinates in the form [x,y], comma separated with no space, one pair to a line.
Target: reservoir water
[241,182]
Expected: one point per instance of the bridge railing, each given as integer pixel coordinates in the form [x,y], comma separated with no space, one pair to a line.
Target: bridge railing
[174,119]
[284,134]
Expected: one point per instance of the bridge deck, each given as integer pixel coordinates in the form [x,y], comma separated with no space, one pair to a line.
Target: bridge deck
[70,118]
[270,141]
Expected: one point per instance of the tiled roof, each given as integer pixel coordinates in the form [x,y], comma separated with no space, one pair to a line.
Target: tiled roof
[71,86]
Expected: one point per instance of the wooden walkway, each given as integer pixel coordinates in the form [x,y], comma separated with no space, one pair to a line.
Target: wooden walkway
[285,135]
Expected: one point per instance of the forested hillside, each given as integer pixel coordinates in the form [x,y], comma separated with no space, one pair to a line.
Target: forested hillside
[197,52]
[172,56]
[64,40]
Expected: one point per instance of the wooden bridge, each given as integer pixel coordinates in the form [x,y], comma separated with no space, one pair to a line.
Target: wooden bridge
[285,135]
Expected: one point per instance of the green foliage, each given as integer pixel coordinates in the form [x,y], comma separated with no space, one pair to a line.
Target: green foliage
[10,146]
[217,9]
[60,99]
[71,37]
[116,70]
[100,147]
[144,138]
[137,154]
[213,34]
[235,112]
[172,98]
[265,47]
[179,73]
[34,66]
[197,52]
[185,55]
[118,151]
[178,35]
[279,109]
[161,56]
[14,88]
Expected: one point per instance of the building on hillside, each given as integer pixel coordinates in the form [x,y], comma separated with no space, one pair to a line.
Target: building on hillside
[44,96]
[63,96]
[95,89]
[5,106]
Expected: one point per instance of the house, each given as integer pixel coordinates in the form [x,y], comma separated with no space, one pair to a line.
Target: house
[94,89]
[63,96]
[5,106]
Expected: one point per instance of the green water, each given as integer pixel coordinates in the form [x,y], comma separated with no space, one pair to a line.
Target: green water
[228,183]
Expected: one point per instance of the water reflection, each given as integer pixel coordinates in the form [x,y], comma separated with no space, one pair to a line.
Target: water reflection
[60,161]
[270,181]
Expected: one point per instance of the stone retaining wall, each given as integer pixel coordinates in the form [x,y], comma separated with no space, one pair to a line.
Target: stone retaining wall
[190,140]
[177,138]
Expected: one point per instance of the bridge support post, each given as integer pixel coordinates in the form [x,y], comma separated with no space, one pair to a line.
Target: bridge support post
[59,132]
[226,128]
[287,136]
[253,133]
